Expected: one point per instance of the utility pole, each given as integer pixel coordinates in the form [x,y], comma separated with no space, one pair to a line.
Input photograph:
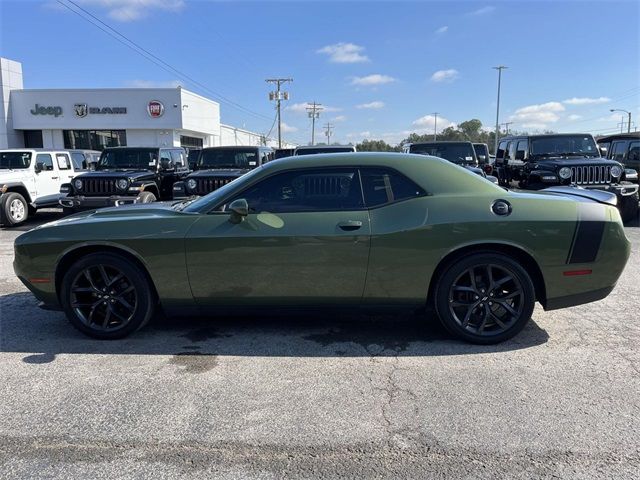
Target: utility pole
[506,126]
[499,68]
[313,110]
[435,126]
[629,118]
[327,131]
[278,96]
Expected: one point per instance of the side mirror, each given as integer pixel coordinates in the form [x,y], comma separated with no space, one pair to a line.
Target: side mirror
[239,209]
[603,151]
[39,167]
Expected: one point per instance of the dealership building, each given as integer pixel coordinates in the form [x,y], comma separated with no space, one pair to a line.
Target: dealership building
[104,117]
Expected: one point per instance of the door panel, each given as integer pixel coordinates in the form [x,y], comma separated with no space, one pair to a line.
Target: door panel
[289,259]
[48,180]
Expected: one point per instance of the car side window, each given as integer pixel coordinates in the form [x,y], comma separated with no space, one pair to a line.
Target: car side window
[510,151]
[178,159]
[634,152]
[78,160]
[46,161]
[312,190]
[521,149]
[502,146]
[383,185]
[62,159]
[618,149]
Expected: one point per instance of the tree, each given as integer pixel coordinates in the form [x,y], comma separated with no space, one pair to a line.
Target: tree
[375,146]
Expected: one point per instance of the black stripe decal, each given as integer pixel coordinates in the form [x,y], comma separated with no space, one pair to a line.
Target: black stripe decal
[588,234]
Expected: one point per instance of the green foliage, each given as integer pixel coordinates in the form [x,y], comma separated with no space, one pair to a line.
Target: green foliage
[376,146]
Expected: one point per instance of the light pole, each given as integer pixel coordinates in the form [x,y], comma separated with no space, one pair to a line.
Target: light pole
[628,115]
[435,126]
[499,68]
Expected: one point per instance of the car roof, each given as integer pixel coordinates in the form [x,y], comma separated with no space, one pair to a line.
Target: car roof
[542,135]
[310,147]
[442,141]
[239,147]
[620,136]
[41,149]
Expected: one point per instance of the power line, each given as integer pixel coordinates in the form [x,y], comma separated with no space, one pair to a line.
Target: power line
[153,58]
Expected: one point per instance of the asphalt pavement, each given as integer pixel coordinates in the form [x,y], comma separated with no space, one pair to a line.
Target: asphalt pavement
[320,397]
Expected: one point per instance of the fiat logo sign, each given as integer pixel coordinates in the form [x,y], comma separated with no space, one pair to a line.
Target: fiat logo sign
[155,108]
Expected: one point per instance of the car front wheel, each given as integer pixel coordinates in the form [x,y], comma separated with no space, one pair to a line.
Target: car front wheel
[484,298]
[15,209]
[146,197]
[107,296]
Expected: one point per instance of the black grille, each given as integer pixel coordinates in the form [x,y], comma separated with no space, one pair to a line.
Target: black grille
[99,186]
[591,175]
[208,185]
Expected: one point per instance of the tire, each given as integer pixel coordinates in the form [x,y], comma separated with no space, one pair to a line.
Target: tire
[113,301]
[629,208]
[463,304]
[14,209]
[146,197]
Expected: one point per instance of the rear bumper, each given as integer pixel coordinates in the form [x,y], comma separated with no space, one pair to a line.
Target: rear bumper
[577,299]
[81,202]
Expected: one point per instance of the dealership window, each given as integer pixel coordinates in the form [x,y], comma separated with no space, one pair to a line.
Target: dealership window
[192,142]
[94,139]
[33,139]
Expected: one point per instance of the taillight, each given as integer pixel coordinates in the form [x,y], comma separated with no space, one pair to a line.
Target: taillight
[488,169]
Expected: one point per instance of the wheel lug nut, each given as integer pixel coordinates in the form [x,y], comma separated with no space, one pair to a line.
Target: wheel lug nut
[490,303]
[476,297]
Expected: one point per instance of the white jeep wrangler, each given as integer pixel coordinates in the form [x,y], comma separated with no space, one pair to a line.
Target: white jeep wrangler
[31,178]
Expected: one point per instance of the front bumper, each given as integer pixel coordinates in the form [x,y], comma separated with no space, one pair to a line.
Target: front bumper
[620,190]
[80,202]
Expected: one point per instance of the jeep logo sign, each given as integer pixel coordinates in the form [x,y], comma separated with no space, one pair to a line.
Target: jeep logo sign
[40,110]
[155,108]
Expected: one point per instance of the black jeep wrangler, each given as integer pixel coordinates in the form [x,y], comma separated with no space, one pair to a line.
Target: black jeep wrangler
[535,162]
[127,175]
[623,148]
[460,153]
[217,166]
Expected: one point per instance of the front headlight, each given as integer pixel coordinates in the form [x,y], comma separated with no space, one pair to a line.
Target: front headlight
[616,171]
[191,184]
[122,183]
[565,172]
[78,184]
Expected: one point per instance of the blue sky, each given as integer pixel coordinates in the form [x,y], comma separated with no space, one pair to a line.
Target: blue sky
[379,68]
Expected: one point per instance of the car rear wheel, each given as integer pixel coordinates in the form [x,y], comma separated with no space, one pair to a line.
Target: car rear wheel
[107,296]
[14,209]
[484,298]
[146,197]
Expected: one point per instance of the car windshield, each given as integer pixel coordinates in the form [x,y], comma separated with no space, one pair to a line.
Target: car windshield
[454,152]
[140,158]
[15,160]
[228,158]
[313,151]
[564,145]
[481,149]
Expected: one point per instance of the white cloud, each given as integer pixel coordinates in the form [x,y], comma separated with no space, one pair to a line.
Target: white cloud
[360,135]
[428,122]
[372,80]
[288,128]
[131,10]
[586,101]
[344,53]
[339,118]
[445,75]
[153,84]
[442,30]
[538,116]
[302,108]
[375,105]
[574,117]
[483,10]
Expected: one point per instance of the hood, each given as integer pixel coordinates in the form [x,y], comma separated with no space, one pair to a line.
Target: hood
[219,172]
[17,175]
[576,161]
[122,173]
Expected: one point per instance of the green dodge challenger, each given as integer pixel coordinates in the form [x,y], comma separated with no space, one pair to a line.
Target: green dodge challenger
[358,230]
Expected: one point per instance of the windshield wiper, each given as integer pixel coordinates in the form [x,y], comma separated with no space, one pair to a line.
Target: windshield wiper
[181,205]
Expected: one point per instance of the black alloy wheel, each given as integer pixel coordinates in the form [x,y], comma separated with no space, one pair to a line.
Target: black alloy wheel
[485,298]
[106,296]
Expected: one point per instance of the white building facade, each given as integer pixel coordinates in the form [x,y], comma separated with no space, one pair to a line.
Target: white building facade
[99,118]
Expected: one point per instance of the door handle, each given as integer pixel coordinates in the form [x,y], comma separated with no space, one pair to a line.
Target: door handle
[350,225]
[54,178]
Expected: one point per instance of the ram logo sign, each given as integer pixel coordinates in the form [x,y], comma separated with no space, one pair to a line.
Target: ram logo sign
[81,109]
